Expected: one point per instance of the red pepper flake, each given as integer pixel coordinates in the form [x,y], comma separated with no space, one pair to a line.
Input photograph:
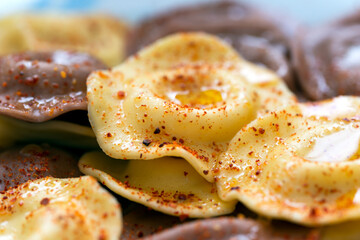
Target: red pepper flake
[174,138]
[109,134]
[313,213]
[157,131]
[181,141]
[257,172]
[31,80]
[185,173]
[216,170]
[162,144]
[121,94]
[102,75]
[127,184]
[261,130]
[206,172]
[289,123]
[146,142]
[235,188]
[4,84]
[45,201]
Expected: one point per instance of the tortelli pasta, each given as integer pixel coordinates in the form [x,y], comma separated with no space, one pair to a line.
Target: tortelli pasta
[167,184]
[295,167]
[51,208]
[186,95]
[99,35]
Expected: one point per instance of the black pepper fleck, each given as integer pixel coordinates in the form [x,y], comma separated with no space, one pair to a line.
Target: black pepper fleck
[146,142]
[182,196]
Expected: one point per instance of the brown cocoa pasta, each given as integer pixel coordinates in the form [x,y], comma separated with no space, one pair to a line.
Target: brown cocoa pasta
[22,163]
[38,86]
[326,58]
